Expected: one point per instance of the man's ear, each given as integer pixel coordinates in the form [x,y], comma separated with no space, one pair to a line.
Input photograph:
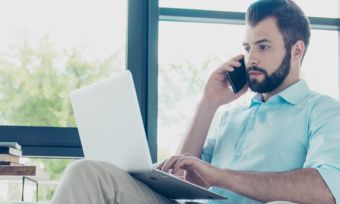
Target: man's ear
[298,50]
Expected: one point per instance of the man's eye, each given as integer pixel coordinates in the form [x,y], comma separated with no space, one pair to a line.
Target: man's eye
[264,47]
[247,49]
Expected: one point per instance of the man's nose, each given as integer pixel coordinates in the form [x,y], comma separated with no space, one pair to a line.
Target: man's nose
[251,60]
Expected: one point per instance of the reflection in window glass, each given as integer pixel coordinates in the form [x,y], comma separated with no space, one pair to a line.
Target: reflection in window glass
[189,52]
[326,8]
[48,48]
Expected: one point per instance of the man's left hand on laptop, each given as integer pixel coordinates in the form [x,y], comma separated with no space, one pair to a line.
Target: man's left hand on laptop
[192,169]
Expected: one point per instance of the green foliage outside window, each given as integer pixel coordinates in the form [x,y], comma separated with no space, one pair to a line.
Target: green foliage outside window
[36,82]
[35,85]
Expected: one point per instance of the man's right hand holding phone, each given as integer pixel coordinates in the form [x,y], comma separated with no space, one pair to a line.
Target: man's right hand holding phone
[218,90]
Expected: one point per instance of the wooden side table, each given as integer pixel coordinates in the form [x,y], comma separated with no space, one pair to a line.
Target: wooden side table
[23,171]
[17,170]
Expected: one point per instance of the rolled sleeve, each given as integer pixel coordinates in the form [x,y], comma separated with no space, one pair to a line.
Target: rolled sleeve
[323,148]
[331,177]
[208,150]
[214,134]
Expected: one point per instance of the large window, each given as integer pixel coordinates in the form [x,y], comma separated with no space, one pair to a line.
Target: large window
[47,49]
[189,51]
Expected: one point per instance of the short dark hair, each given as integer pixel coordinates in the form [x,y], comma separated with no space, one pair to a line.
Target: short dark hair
[290,19]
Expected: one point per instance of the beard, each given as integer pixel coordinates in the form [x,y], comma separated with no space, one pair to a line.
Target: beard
[270,82]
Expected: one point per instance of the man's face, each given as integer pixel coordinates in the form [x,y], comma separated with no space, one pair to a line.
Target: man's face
[268,63]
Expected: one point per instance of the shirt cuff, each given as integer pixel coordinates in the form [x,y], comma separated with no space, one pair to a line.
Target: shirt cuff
[331,176]
[207,157]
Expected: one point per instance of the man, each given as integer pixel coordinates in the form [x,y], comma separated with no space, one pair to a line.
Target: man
[283,146]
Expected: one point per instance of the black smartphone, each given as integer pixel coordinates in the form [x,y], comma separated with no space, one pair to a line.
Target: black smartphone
[238,77]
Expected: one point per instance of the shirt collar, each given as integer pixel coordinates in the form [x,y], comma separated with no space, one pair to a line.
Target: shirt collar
[257,99]
[293,94]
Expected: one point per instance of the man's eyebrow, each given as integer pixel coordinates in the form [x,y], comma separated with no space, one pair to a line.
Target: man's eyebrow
[245,44]
[257,42]
[262,40]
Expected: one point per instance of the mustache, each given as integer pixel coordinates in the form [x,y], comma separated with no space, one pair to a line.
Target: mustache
[255,68]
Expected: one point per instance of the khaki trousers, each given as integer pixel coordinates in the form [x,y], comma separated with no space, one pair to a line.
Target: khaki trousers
[94,182]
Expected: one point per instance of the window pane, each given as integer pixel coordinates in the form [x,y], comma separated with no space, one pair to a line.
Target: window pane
[186,59]
[326,8]
[189,52]
[320,67]
[50,47]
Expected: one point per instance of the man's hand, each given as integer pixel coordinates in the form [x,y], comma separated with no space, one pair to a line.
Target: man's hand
[192,170]
[217,90]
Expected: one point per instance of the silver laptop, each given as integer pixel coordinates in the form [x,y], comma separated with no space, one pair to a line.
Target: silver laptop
[111,129]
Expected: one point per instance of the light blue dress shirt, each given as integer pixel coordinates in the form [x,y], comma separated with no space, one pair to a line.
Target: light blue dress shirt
[295,129]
